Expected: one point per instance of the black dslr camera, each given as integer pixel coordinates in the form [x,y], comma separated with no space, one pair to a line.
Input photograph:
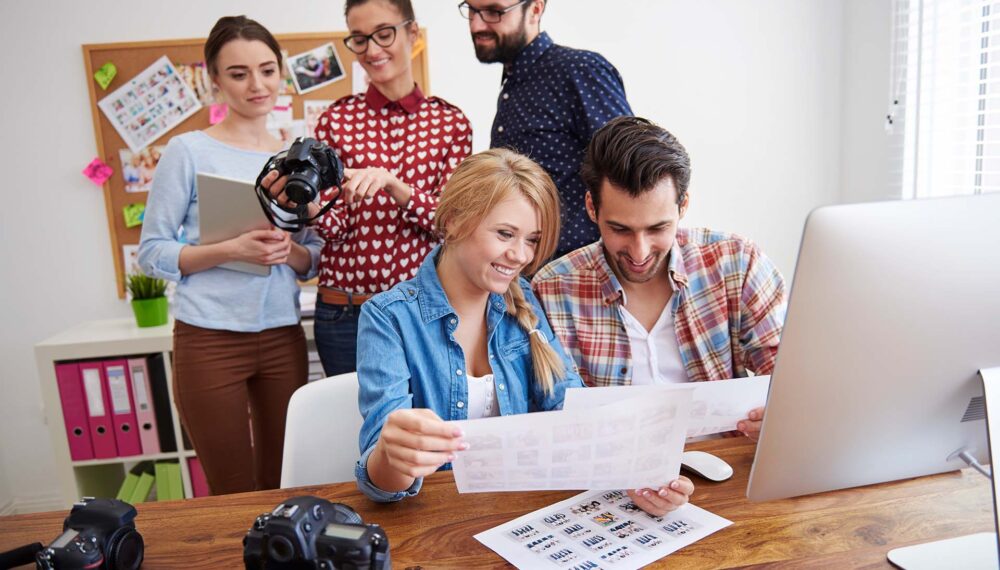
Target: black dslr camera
[313,533]
[98,533]
[310,166]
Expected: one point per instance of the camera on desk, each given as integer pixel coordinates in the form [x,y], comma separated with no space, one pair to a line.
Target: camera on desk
[313,533]
[98,533]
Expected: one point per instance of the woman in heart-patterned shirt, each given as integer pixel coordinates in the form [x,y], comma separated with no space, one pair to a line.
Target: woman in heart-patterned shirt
[399,147]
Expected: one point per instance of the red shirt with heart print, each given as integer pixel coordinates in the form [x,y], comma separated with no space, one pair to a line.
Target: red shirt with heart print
[374,244]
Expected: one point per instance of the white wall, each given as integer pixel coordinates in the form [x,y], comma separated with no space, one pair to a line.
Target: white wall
[6,495]
[865,156]
[753,89]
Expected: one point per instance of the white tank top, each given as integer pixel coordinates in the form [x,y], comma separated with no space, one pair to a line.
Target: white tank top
[482,397]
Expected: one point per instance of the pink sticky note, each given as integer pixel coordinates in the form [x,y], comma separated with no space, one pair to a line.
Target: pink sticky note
[217,112]
[98,172]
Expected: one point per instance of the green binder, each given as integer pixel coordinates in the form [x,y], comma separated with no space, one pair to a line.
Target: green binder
[131,481]
[176,484]
[128,486]
[142,488]
[162,482]
[169,486]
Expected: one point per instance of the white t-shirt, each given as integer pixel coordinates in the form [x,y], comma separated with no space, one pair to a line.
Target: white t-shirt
[656,357]
[482,397]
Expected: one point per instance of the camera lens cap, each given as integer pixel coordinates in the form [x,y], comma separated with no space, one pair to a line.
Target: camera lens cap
[125,550]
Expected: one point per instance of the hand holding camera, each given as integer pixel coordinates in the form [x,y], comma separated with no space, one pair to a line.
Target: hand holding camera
[292,180]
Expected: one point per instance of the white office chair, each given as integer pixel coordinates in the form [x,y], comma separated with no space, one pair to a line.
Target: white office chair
[321,432]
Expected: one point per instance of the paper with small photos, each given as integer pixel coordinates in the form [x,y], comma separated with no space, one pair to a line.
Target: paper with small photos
[598,530]
[716,406]
[631,444]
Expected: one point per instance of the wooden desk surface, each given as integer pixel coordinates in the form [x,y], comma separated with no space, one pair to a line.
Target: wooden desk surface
[843,529]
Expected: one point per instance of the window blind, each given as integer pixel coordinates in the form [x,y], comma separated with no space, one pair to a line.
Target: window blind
[944,117]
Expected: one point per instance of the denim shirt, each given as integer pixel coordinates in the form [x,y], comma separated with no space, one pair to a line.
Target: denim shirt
[408,358]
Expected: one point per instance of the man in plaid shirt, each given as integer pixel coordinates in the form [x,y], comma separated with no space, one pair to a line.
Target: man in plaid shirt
[650,302]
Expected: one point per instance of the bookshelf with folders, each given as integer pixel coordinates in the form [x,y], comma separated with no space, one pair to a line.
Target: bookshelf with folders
[120,409]
[95,455]
[109,409]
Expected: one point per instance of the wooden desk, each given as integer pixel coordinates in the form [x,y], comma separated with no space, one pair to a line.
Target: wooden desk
[843,529]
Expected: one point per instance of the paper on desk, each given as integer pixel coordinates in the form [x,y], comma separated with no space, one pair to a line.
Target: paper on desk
[598,530]
[632,443]
[716,406]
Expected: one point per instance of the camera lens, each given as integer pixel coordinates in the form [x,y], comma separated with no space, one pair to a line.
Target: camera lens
[125,550]
[280,549]
[345,514]
[301,187]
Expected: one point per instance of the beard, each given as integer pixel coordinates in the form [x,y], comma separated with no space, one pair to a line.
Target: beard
[504,49]
[627,274]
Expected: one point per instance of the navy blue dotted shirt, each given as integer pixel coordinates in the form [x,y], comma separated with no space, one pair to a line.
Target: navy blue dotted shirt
[552,100]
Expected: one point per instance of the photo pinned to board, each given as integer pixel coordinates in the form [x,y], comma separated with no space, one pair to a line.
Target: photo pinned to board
[196,76]
[315,68]
[149,105]
[313,109]
[287,85]
[138,167]
[288,132]
[282,124]
[359,78]
[281,114]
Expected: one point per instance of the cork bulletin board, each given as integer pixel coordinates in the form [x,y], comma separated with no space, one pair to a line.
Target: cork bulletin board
[133,58]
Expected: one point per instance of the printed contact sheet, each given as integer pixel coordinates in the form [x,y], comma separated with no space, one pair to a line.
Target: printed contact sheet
[593,530]
[633,443]
[716,406]
[149,105]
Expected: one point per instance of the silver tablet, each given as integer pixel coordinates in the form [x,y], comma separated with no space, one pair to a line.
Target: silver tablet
[226,209]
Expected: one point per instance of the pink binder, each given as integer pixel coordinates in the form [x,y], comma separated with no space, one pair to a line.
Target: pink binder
[199,485]
[145,416]
[74,407]
[102,433]
[122,408]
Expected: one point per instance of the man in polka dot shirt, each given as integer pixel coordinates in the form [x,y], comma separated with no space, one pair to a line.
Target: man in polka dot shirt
[553,98]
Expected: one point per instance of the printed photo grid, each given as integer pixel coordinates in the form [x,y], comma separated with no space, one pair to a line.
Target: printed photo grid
[598,530]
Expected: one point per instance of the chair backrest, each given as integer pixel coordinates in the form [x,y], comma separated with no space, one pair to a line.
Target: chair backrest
[321,432]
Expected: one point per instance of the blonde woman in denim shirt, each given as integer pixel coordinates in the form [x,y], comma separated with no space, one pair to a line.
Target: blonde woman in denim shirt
[466,337]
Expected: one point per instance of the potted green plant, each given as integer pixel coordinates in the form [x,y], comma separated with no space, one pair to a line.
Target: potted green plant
[149,300]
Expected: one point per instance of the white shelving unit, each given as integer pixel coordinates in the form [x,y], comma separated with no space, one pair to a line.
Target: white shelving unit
[105,339]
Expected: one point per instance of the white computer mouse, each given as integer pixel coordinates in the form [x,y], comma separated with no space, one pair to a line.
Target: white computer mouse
[706,465]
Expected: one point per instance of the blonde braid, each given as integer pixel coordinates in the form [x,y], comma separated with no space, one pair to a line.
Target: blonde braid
[547,365]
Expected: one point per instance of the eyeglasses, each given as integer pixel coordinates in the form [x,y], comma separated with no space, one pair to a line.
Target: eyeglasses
[383,37]
[490,16]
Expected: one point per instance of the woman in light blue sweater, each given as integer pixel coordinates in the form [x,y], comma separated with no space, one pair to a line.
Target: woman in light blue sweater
[239,349]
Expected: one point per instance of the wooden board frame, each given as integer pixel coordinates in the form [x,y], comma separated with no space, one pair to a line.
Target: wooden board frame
[132,57]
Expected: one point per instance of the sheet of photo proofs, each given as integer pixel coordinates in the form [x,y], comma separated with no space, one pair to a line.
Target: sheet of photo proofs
[598,529]
[630,444]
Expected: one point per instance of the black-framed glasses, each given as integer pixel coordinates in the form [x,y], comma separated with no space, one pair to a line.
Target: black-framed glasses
[383,37]
[489,15]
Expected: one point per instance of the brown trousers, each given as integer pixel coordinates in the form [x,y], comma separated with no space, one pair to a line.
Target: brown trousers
[232,391]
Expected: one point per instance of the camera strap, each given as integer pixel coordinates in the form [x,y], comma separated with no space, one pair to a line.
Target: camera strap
[295,224]
[19,556]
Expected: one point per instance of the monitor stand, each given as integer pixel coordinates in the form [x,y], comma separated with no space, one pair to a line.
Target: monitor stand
[972,551]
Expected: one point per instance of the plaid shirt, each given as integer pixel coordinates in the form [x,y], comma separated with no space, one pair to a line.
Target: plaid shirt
[728,302]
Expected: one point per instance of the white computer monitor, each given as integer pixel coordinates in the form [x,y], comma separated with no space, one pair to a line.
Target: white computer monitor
[893,310]
[979,551]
